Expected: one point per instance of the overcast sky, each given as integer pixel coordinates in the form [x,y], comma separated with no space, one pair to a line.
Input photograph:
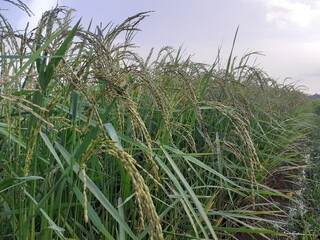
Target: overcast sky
[285,31]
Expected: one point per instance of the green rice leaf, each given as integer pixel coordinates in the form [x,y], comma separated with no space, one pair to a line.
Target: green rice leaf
[98,194]
[55,61]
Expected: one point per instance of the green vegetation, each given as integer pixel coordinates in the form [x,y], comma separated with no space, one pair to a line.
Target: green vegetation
[98,143]
[307,221]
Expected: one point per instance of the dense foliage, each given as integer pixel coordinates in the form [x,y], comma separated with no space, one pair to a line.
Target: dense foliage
[99,143]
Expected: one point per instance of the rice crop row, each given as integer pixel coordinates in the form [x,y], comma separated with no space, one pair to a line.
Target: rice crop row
[99,143]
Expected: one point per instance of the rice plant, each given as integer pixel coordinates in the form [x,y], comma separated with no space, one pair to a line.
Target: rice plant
[99,143]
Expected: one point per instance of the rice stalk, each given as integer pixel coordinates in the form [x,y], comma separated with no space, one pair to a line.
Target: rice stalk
[143,195]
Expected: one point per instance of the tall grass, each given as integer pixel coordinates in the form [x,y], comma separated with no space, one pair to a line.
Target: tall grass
[98,143]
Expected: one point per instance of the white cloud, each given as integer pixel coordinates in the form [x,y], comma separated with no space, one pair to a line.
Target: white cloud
[284,13]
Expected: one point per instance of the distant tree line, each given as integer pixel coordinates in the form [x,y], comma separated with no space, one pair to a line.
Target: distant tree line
[314,96]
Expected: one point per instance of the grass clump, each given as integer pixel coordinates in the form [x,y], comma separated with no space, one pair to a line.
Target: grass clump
[97,142]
